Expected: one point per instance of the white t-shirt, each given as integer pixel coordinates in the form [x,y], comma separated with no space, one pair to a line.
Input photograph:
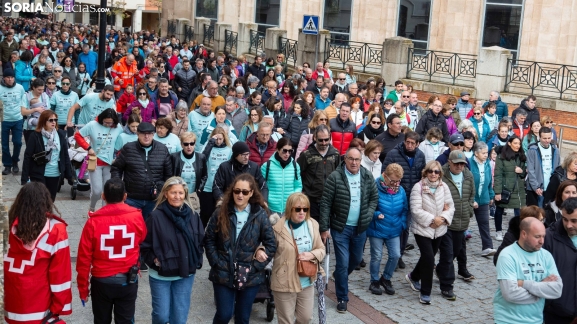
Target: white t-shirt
[546,163]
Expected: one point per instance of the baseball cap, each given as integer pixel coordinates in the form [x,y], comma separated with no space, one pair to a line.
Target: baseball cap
[465,93]
[457,156]
[456,138]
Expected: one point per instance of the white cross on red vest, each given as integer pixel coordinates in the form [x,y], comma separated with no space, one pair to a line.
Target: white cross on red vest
[117,242]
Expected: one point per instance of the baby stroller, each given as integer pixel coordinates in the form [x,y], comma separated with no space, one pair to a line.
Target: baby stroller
[77,156]
[265,294]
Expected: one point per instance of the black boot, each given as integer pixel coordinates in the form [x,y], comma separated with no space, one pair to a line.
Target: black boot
[389,290]
[375,288]
[401,264]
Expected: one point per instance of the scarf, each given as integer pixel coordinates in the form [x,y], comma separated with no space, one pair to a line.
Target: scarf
[283,163]
[181,218]
[51,137]
[427,185]
[389,190]
[144,103]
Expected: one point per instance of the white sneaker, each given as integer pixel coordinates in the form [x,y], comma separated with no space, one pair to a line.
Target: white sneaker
[488,252]
[499,236]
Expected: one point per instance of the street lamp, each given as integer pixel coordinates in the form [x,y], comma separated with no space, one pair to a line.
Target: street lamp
[101,47]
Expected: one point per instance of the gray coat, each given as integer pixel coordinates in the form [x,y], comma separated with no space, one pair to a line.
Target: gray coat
[238,119]
[535,166]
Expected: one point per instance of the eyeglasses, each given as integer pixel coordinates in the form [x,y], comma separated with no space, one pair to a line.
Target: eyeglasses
[388,104]
[322,140]
[323,119]
[243,191]
[53,120]
[343,79]
[353,160]
[188,144]
[434,171]
[50,82]
[253,115]
[57,71]
[65,83]
[458,144]
[301,209]
[477,114]
[142,93]
[376,122]
[285,151]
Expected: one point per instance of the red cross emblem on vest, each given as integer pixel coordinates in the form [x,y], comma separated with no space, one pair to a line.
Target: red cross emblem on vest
[17,263]
[117,241]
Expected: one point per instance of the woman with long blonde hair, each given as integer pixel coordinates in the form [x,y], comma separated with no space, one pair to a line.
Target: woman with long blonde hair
[320,117]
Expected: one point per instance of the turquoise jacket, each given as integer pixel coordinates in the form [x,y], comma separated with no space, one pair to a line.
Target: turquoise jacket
[486,194]
[281,182]
[486,129]
[23,74]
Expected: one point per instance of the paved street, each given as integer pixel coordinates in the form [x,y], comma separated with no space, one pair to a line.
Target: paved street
[473,304]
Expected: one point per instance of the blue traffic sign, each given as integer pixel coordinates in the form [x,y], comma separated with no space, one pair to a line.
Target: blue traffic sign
[311,25]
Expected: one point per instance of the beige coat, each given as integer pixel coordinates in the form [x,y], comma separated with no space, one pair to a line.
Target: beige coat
[178,129]
[284,270]
[425,206]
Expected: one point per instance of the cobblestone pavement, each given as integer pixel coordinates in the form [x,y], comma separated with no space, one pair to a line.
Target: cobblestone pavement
[473,304]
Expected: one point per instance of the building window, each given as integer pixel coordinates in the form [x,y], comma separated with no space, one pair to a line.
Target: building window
[414,17]
[337,18]
[93,18]
[207,9]
[267,14]
[503,24]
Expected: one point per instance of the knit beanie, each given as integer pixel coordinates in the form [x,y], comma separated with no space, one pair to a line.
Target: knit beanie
[239,148]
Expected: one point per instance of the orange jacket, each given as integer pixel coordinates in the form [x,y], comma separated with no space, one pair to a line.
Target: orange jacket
[121,71]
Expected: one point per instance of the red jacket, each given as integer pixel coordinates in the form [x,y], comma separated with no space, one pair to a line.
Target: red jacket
[37,278]
[255,153]
[520,130]
[316,74]
[123,102]
[110,243]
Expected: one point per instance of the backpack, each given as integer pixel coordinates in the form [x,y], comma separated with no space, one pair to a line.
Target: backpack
[268,168]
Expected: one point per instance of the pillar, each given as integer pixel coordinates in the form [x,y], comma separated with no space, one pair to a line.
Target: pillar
[180,24]
[272,35]
[244,36]
[307,47]
[86,18]
[199,28]
[491,70]
[220,35]
[137,19]
[395,59]
[118,21]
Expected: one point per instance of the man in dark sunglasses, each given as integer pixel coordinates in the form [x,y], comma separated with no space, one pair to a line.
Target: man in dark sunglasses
[456,142]
[339,87]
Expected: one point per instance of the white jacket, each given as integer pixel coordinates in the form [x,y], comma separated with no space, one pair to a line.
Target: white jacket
[427,148]
[373,167]
[424,208]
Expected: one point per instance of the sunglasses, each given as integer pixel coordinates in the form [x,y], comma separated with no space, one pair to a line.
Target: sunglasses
[285,151]
[301,209]
[376,122]
[459,144]
[323,140]
[323,119]
[53,120]
[343,79]
[142,93]
[188,144]
[243,191]
[57,71]
[406,96]
[477,114]
[65,83]
[50,82]
[434,171]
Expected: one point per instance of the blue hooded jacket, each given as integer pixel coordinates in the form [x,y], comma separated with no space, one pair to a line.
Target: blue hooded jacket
[23,74]
[394,207]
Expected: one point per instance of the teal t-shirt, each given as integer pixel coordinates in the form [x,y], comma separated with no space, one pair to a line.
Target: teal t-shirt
[102,139]
[436,149]
[304,241]
[92,106]
[458,180]
[355,191]
[218,155]
[241,218]
[62,103]
[574,239]
[188,173]
[124,138]
[51,169]
[517,264]
[12,99]
[197,123]
[171,142]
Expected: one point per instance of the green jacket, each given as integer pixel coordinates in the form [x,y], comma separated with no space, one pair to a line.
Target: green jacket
[336,200]
[393,96]
[505,177]
[463,202]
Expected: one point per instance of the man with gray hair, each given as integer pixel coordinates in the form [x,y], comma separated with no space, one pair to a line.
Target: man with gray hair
[236,115]
[270,119]
[502,109]
[520,125]
[339,87]
[212,93]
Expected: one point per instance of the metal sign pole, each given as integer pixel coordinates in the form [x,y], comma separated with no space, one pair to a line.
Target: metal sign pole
[317,51]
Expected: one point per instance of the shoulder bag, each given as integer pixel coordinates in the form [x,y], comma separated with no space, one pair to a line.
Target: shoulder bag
[92,159]
[304,268]
[506,194]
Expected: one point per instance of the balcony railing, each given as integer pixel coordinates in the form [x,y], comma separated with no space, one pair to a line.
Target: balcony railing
[288,47]
[171,30]
[542,79]
[360,54]
[442,67]
[230,41]
[208,38]
[256,45]
[188,33]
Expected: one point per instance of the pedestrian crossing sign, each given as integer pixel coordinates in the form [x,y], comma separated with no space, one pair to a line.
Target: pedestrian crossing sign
[311,25]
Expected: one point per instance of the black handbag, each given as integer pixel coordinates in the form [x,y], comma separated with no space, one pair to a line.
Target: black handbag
[41,158]
[506,194]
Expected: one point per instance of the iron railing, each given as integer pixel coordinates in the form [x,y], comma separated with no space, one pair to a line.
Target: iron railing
[288,47]
[188,33]
[208,38]
[444,67]
[544,79]
[256,45]
[354,53]
[171,28]
[230,41]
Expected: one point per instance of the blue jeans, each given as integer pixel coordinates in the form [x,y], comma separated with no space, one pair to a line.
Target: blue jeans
[348,254]
[16,129]
[394,249]
[146,206]
[229,300]
[170,300]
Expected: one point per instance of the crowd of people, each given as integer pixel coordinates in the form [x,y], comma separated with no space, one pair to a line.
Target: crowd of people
[195,154]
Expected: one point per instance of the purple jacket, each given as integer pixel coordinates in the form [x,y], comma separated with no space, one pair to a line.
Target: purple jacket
[451,126]
[146,114]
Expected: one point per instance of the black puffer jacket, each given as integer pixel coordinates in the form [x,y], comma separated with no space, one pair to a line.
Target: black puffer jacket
[315,170]
[223,253]
[564,252]
[293,126]
[532,114]
[129,166]
[199,167]
[411,174]
[184,79]
[228,170]
[558,176]
[428,121]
